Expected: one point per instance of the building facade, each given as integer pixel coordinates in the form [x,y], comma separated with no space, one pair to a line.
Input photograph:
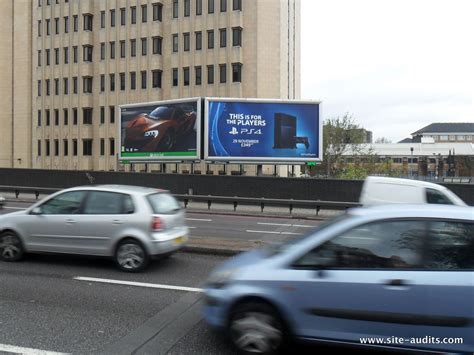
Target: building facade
[87,57]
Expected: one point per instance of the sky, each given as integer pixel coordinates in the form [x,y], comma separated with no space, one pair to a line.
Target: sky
[395,65]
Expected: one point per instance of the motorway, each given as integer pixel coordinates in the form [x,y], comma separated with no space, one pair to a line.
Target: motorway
[61,304]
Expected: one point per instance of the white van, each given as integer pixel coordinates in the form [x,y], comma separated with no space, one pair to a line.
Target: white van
[383,190]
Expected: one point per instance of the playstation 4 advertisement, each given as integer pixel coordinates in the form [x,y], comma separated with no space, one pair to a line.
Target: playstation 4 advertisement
[262,130]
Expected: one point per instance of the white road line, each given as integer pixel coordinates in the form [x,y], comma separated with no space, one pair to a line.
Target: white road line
[26,351]
[272,232]
[199,219]
[192,227]
[285,225]
[303,226]
[14,208]
[138,284]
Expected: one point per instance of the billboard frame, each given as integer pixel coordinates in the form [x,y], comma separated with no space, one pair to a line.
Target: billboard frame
[260,160]
[164,159]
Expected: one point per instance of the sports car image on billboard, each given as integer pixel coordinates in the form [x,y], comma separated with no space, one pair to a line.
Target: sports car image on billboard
[166,129]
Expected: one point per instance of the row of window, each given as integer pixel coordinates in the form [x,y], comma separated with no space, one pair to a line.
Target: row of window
[236,39]
[87,20]
[156,76]
[48,2]
[87,116]
[87,145]
[236,6]
[157,15]
[452,138]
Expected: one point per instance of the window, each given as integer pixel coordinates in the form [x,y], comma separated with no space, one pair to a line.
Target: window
[452,138]
[102,146]
[112,82]
[122,81]
[112,18]
[56,26]
[133,80]
[48,27]
[436,197]
[87,85]
[56,117]
[112,50]
[144,46]
[87,115]
[102,114]
[65,203]
[223,73]
[75,54]
[48,57]
[443,138]
[48,117]
[210,39]
[144,13]
[157,12]
[39,87]
[198,40]
[223,37]
[143,77]
[237,72]
[66,24]
[186,76]
[56,147]
[175,8]
[112,114]
[39,28]
[223,5]
[87,147]
[187,8]
[56,86]
[123,16]
[210,6]
[75,21]
[74,116]
[74,147]
[175,42]
[210,74]
[102,51]
[133,47]
[56,56]
[237,36]
[175,76]
[74,85]
[186,39]
[102,202]
[237,5]
[378,245]
[102,19]
[66,116]
[122,49]
[157,45]
[87,53]
[88,22]
[102,82]
[39,148]
[451,245]
[48,147]
[156,76]
[198,78]
[39,118]
[111,147]
[65,147]
[66,86]
[133,15]
[48,87]
[198,7]
[66,55]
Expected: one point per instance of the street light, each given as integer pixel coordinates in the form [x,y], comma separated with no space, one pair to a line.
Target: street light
[410,171]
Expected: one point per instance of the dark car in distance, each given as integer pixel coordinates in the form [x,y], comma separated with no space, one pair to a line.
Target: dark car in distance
[158,130]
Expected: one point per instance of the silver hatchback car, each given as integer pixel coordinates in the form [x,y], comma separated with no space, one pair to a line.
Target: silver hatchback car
[129,223]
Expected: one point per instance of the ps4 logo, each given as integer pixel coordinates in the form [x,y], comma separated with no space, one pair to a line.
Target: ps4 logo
[235,131]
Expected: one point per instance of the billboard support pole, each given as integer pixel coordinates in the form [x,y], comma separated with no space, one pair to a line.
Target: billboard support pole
[275,170]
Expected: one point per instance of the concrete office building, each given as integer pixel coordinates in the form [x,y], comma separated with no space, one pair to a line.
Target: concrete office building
[84,58]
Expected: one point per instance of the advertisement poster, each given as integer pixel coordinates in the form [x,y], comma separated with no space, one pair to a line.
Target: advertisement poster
[167,130]
[251,130]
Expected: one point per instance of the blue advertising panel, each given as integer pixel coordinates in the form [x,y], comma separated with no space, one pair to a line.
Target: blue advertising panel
[250,130]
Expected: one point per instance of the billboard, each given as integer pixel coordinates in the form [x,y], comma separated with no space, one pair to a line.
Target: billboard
[250,130]
[161,131]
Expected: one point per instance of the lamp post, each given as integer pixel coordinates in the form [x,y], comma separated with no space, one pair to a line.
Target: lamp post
[410,169]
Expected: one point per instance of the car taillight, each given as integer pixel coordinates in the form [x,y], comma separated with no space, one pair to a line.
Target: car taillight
[157,224]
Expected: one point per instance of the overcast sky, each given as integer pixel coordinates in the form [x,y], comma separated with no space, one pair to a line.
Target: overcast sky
[395,65]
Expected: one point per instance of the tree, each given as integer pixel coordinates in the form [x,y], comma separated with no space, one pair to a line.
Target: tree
[340,135]
[383,140]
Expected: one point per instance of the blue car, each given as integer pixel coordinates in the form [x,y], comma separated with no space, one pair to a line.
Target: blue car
[399,276]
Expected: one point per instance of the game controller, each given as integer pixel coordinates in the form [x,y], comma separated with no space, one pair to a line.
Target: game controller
[302,140]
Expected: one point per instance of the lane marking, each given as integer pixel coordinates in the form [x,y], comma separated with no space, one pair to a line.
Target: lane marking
[15,208]
[304,226]
[286,225]
[273,232]
[199,219]
[26,351]
[138,284]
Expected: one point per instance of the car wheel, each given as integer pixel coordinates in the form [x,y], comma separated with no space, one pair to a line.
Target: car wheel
[11,248]
[131,256]
[256,328]
[166,142]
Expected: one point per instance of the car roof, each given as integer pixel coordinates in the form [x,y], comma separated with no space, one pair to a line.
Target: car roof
[401,181]
[415,211]
[129,189]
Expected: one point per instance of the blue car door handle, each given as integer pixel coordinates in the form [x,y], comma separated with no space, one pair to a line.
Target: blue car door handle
[397,282]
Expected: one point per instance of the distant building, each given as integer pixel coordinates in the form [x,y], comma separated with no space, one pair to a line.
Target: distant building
[444,132]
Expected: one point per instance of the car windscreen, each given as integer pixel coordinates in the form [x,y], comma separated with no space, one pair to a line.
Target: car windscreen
[161,113]
[163,203]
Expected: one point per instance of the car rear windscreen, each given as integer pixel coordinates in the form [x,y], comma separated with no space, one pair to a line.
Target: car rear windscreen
[163,203]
